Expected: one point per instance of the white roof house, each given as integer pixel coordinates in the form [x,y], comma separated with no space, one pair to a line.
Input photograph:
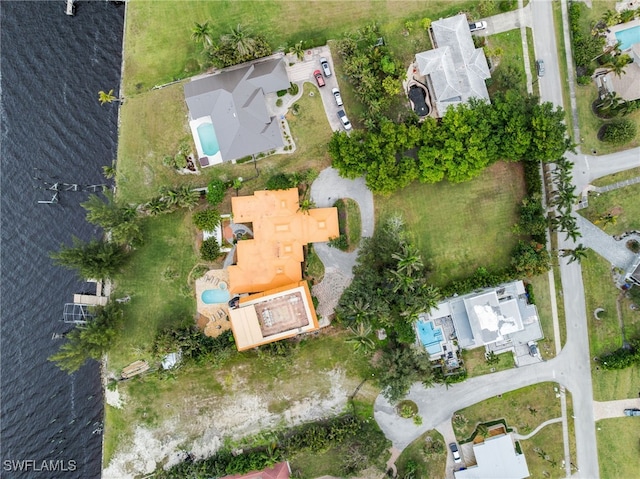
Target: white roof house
[455,70]
[497,459]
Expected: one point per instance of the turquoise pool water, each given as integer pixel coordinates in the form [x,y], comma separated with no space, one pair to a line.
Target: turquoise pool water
[213,296]
[628,37]
[208,139]
[430,336]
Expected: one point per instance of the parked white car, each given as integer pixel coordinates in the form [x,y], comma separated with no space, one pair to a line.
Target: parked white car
[345,121]
[475,26]
[336,95]
[325,67]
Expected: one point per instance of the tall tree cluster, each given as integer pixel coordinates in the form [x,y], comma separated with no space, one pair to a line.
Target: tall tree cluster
[458,147]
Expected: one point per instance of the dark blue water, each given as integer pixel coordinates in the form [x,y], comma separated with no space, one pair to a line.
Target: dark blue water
[52,67]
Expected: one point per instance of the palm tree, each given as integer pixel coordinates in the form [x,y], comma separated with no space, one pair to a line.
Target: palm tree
[109,171]
[409,261]
[361,337]
[306,205]
[187,198]
[617,64]
[241,41]
[201,33]
[107,97]
[611,17]
[156,206]
[573,233]
[297,50]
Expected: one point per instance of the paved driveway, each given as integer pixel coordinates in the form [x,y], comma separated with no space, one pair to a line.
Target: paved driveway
[506,21]
[609,409]
[325,190]
[302,71]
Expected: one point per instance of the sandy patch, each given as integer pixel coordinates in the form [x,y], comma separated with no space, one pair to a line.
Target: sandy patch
[113,398]
[201,431]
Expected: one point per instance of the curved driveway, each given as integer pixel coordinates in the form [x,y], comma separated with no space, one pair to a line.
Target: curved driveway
[338,265]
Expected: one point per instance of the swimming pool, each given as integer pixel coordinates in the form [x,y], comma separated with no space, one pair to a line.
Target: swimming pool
[208,139]
[213,296]
[628,37]
[430,336]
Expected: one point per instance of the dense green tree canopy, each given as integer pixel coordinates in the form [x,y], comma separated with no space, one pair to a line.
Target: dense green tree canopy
[95,259]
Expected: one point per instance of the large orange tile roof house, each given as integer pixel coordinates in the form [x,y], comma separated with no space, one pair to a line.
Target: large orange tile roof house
[272,258]
[273,315]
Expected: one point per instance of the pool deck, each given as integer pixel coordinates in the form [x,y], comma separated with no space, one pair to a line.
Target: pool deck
[213,319]
[611,34]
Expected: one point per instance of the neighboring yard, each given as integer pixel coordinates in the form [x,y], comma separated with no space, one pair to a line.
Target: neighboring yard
[623,204]
[541,293]
[156,122]
[460,227]
[476,364]
[619,447]
[429,453]
[159,48]
[624,175]
[604,334]
[349,221]
[193,408]
[523,410]
[509,65]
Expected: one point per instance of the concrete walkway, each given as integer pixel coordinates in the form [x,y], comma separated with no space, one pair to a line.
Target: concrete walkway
[616,252]
[615,186]
[536,430]
[338,265]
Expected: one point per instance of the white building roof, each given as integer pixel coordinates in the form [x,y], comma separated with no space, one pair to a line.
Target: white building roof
[497,459]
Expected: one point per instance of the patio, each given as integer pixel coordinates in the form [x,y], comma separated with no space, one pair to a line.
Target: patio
[213,318]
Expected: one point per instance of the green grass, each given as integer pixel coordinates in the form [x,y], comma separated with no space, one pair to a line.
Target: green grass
[618,447]
[315,268]
[512,56]
[460,227]
[155,122]
[156,302]
[429,464]
[547,442]
[476,364]
[562,323]
[349,221]
[116,430]
[543,304]
[516,407]
[623,203]
[562,58]
[532,62]
[623,175]
[158,45]
[604,334]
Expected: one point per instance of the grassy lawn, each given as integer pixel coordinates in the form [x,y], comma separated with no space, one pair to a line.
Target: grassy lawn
[604,334]
[545,452]
[156,280]
[623,175]
[427,455]
[278,384]
[314,267]
[155,123]
[159,48]
[512,57]
[477,365]
[460,227]
[349,221]
[623,203]
[618,447]
[543,304]
[523,410]
[562,57]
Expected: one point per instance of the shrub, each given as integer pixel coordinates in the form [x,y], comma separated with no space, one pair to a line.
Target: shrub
[293,89]
[215,191]
[634,245]
[206,220]
[618,132]
[210,249]
[279,102]
[280,181]
[340,242]
[295,109]
[281,93]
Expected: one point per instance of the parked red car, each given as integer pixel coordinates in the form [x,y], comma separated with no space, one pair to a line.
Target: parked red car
[319,77]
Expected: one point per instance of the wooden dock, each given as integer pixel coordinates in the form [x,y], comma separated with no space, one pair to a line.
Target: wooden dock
[71,8]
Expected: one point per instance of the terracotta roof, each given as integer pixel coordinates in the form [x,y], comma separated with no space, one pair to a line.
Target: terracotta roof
[279,471]
[272,259]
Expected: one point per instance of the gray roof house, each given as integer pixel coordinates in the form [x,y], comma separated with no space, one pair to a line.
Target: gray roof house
[455,70]
[496,459]
[233,101]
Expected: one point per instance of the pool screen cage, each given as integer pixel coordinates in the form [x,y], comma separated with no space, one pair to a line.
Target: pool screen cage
[77,313]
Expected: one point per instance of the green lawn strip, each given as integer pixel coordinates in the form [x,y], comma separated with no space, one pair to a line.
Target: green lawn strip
[476,364]
[159,48]
[604,334]
[532,63]
[349,221]
[557,279]
[618,453]
[542,293]
[460,227]
[156,280]
[154,123]
[512,57]
[425,453]
[116,431]
[523,410]
[572,428]
[616,177]
[562,58]
[315,268]
[623,203]
[281,381]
